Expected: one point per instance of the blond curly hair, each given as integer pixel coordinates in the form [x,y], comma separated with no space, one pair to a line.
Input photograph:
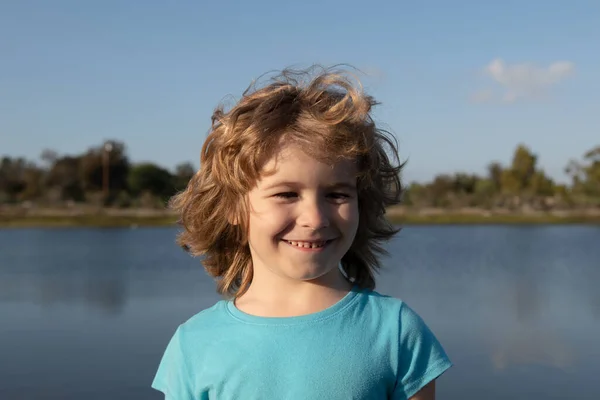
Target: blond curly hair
[320,110]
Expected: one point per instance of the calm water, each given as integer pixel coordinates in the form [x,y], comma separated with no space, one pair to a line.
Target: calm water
[86,314]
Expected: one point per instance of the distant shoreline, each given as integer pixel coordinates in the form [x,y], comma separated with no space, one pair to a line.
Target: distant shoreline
[57,218]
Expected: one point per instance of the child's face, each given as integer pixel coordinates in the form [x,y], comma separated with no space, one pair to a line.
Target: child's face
[303,218]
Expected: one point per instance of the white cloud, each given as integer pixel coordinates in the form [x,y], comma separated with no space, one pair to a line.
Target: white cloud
[522,81]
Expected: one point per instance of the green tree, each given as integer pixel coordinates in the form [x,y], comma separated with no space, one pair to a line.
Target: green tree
[541,185]
[11,177]
[64,175]
[585,175]
[415,195]
[495,171]
[439,190]
[523,166]
[183,173]
[510,182]
[485,189]
[465,183]
[33,178]
[517,180]
[592,172]
[92,167]
[150,178]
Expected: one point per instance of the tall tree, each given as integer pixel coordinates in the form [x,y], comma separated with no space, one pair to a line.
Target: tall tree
[12,177]
[495,176]
[183,173]
[591,171]
[585,175]
[64,176]
[147,177]
[523,166]
[541,185]
[465,183]
[93,167]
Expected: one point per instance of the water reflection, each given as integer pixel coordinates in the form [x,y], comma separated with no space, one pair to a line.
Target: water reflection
[516,306]
[92,268]
[528,342]
[532,347]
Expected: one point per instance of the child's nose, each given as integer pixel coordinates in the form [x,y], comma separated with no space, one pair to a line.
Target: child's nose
[314,215]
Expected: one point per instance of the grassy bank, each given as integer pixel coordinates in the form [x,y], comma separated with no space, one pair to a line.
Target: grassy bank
[506,219]
[413,218]
[99,221]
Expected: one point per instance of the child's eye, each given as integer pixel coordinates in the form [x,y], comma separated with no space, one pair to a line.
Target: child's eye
[339,196]
[286,195]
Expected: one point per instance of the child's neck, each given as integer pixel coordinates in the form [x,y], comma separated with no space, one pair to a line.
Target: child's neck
[291,299]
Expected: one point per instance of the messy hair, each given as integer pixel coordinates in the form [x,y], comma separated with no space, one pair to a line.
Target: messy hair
[325,113]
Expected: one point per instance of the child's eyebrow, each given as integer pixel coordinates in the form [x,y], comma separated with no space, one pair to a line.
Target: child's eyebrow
[333,186]
[343,185]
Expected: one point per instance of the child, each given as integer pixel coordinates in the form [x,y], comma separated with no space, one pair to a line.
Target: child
[288,211]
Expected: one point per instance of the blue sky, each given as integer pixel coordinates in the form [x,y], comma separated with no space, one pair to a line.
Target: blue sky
[462,82]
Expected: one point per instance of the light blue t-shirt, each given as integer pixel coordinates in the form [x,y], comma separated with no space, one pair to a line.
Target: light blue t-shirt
[366,346]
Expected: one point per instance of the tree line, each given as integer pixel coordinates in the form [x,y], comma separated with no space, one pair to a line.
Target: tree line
[103,175]
[522,183]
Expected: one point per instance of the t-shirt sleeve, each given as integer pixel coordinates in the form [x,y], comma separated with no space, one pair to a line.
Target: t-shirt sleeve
[173,375]
[421,357]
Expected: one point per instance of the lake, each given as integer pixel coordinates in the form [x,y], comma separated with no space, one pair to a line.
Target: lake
[87,313]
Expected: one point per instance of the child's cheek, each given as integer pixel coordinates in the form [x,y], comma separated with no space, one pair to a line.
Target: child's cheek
[348,212]
[280,216]
[274,214]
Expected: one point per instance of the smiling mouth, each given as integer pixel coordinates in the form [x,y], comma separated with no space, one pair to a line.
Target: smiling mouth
[308,245]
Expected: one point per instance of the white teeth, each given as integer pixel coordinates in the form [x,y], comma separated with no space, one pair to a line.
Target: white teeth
[307,245]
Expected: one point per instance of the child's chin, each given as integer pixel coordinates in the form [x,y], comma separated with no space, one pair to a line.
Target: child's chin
[314,273]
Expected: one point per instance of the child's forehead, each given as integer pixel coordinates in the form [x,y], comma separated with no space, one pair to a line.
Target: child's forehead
[294,154]
[293,165]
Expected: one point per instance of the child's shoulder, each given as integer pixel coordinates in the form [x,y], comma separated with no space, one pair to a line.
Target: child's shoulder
[207,320]
[388,305]
[393,313]
[420,356]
